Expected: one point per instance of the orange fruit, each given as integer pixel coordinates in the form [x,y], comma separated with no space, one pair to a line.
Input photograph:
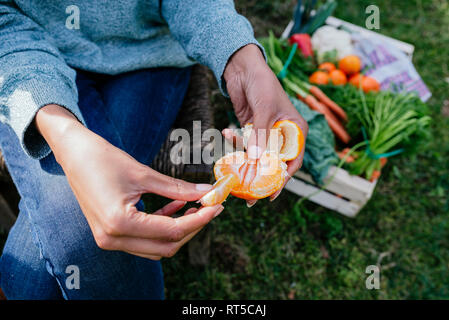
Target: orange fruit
[338,77]
[370,84]
[350,64]
[319,77]
[249,179]
[356,80]
[327,66]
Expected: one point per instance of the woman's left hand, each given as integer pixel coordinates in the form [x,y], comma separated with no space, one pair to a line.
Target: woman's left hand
[259,98]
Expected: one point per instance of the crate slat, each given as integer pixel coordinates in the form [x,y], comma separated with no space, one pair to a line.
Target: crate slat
[323,198]
[349,186]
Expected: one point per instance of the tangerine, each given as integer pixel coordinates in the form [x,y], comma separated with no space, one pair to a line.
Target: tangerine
[370,84]
[356,80]
[350,64]
[319,77]
[337,77]
[327,67]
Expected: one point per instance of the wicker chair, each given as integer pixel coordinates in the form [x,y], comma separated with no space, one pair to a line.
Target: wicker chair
[196,106]
[7,191]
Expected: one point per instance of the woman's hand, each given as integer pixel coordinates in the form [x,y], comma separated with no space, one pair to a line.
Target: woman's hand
[108,182]
[259,98]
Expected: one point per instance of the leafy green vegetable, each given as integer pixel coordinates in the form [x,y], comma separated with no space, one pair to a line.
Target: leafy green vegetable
[391,121]
[277,51]
[329,56]
[306,20]
[320,154]
[324,12]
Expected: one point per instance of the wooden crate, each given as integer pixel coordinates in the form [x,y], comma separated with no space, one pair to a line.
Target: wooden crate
[345,194]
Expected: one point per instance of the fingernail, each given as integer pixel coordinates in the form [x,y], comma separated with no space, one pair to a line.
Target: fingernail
[219,211]
[254,152]
[274,198]
[250,203]
[203,187]
[190,211]
[226,132]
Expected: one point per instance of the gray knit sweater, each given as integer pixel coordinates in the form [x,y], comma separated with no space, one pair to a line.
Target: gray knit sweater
[42,40]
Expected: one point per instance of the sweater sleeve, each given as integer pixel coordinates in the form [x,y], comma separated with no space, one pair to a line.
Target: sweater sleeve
[210,31]
[32,74]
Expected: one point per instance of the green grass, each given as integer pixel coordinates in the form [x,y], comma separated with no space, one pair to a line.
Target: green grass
[275,251]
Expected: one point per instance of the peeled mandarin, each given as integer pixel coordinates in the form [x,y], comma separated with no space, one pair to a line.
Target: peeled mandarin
[256,179]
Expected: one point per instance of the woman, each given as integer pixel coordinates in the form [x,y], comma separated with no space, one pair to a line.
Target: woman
[89,90]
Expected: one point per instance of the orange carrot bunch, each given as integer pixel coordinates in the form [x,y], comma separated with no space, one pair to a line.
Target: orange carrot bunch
[318,101]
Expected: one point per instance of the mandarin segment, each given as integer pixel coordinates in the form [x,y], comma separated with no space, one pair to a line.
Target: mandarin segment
[256,180]
[221,189]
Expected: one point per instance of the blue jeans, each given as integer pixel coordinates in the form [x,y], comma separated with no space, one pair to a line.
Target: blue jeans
[134,112]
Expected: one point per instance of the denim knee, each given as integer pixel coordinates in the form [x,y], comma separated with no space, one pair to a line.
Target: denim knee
[81,268]
[23,273]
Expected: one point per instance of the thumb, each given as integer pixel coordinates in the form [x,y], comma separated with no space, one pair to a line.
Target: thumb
[169,187]
[257,141]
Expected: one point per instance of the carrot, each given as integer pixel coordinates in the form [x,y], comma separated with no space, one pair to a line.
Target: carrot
[300,98]
[334,124]
[375,175]
[320,95]
[350,159]
[383,162]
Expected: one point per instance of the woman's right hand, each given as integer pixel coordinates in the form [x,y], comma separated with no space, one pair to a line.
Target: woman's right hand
[108,183]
